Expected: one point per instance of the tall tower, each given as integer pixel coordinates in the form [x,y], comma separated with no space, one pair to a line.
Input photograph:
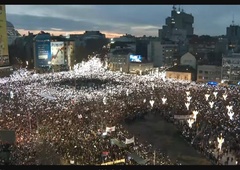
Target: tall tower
[4,56]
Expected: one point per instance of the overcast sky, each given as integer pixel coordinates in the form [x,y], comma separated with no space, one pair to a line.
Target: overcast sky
[115,20]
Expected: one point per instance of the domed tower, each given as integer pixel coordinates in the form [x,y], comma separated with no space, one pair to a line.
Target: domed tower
[12,33]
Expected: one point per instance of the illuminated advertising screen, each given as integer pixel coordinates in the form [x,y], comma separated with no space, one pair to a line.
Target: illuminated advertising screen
[57,53]
[43,53]
[136,58]
[4,57]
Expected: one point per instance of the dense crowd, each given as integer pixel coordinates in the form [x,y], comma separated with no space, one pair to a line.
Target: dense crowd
[63,117]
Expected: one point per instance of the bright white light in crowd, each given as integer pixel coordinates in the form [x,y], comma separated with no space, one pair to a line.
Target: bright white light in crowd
[153,86]
[189,98]
[104,100]
[229,108]
[94,65]
[195,113]
[127,92]
[190,122]
[144,100]
[230,114]
[224,96]
[188,93]
[151,102]
[207,96]
[215,94]
[187,105]
[211,104]
[220,141]
[164,99]
[11,95]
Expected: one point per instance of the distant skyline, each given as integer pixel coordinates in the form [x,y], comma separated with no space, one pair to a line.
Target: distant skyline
[117,20]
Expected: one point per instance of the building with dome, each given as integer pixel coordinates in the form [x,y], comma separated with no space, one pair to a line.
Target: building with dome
[12,33]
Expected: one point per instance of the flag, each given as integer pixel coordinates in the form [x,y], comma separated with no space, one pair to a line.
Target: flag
[129,141]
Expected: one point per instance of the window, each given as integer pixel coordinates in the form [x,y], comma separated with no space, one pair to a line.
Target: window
[199,77]
[200,71]
[206,72]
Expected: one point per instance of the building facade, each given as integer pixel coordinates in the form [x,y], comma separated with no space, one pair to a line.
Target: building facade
[188,59]
[181,72]
[231,68]
[140,68]
[179,24]
[119,60]
[162,54]
[206,73]
[4,55]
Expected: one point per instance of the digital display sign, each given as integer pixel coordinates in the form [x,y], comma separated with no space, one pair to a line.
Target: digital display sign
[43,53]
[136,58]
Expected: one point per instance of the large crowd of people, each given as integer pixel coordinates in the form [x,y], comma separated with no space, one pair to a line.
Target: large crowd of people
[71,117]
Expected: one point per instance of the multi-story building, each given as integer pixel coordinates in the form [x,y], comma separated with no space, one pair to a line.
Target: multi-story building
[119,60]
[5,68]
[233,36]
[162,54]
[221,45]
[179,23]
[206,73]
[181,72]
[53,53]
[125,38]
[231,68]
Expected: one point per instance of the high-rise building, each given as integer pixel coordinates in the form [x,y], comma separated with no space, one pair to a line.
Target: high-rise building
[233,37]
[5,68]
[178,26]
[4,56]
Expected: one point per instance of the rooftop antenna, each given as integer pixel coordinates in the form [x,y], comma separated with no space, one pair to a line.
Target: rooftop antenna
[233,20]
[174,8]
[182,10]
[178,7]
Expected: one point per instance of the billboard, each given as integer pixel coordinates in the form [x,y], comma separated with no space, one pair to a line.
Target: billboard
[43,53]
[4,57]
[57,53]
[136,58]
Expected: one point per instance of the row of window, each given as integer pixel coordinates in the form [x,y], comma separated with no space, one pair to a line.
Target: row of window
[209,72]
[207,78]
